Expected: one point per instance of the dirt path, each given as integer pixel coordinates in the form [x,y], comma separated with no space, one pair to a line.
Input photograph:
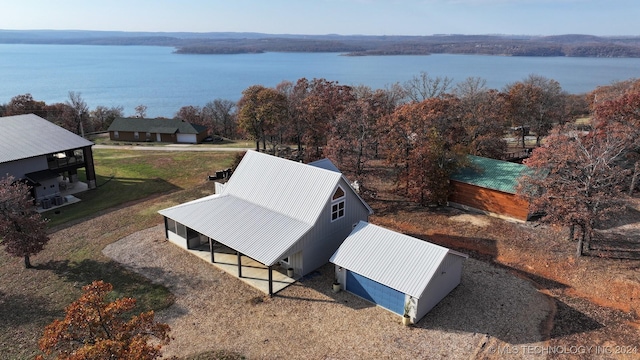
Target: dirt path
[491,312]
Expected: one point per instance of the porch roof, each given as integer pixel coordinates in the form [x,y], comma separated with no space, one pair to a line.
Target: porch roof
[38,176]
[260,233]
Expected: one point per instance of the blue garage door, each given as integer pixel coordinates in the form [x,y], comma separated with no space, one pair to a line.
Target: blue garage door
[375,292]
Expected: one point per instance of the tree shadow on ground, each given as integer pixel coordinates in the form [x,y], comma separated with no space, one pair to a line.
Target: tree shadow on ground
[18,310]
[496,307]
[491,300]
[568,321]
[149,296]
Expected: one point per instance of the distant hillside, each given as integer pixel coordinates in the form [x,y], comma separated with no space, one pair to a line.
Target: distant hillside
[352,45]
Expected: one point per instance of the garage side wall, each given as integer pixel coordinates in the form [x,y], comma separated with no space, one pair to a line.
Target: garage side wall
[445,279]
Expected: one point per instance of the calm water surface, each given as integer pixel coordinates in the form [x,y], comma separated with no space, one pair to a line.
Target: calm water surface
[163,81]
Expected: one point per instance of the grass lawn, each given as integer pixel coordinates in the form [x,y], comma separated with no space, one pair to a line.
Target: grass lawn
[129,175]
[144,181]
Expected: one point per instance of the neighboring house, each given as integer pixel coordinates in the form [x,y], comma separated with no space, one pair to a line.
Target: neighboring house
[272,210]
[44,155]
[158,130]
[395,271]
[489,186]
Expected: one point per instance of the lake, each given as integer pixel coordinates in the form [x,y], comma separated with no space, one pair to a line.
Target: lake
[163,81]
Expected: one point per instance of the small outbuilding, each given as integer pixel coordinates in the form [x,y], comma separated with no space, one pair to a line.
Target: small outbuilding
[489,186]
[398,272]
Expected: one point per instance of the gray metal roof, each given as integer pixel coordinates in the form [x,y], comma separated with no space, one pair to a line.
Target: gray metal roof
[26,136]
[291,188]
[325,164]
[255,231]
[396,260]
[267,205]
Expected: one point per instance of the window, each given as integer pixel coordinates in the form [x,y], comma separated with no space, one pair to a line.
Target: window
[338,194]
[171,225]
[337,204]
[192,234]
[116,135]
[337,210]
[136,135]
[148,135]
[182,230]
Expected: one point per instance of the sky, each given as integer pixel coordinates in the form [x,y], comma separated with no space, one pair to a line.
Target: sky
[320,17]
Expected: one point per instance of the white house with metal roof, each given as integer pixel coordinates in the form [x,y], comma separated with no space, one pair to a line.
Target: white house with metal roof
[398,272]
[275,211]
[43,154]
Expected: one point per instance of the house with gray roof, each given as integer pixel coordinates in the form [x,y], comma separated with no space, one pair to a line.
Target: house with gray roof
[490,186]
[44,155]
[400,273]
[156,130]
[276,212]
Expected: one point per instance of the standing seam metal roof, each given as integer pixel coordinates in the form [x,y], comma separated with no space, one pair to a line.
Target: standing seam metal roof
[253,230]
[26,136]
[297,190]
[399,261]
[267,205]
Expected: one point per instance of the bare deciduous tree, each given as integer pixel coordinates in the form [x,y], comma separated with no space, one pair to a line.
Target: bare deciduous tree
[423,87]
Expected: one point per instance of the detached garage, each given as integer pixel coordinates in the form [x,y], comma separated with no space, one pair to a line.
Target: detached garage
[396,271]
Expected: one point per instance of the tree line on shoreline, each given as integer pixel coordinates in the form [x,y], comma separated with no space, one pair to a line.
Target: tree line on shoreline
[424,128]
[353,125]
[574,45]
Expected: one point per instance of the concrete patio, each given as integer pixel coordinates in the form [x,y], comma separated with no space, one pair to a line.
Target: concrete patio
[254,273]
[67,190]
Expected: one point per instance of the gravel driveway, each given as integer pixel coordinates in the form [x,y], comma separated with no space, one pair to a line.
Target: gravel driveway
[491,311]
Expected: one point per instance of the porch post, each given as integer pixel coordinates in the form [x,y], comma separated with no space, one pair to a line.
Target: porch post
[270,280]
[87,153]
[166,228]
[239,264]
[211,243]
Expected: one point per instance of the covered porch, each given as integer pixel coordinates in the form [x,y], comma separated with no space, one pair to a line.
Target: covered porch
[268,279]
[64,196]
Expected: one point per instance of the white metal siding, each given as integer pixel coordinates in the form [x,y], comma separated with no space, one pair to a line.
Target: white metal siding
[446,278]
[219,187]
[177,239]
[47,188]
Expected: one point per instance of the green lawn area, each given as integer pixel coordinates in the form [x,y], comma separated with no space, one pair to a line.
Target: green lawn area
[132,187]
[129,175]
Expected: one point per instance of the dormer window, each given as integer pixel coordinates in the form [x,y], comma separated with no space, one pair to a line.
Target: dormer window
[337,204]
[339,194]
